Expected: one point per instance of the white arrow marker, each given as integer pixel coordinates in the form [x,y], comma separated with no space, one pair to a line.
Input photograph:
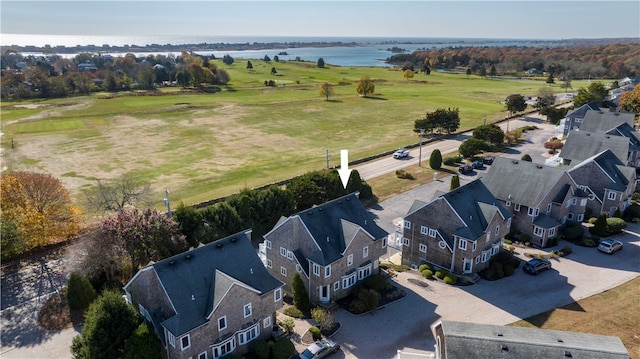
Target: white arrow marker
[344,170]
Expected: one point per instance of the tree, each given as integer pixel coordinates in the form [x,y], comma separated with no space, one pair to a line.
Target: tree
[266,58]
[516,103]
[276,58]
[472,147]
[526,157]
[117,194]
[468,72]
[435,160]
[554,144]
[221,220]
[146,76]
[554,114]
[109,322]
[630,100]
[491,133]
[441,120]
[300,294]
[228,60]
[273,71]
[370,298]
[323,317]
[221,77]
[183,78]
[408,74]
[550,79]
[145,235]
[365,86]
[143,344]
[483,71]
[595,92]
[455,182]
[546,98]
[190,222]
[249,65]
[326,90]
[320,62]
[39,206]
[599,226]
[80,292]
[492,71]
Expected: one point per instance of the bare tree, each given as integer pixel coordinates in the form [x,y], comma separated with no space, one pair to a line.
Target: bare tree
[116,194]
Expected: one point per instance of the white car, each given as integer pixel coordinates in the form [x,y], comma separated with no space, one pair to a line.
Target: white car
[610,245]
[401,153]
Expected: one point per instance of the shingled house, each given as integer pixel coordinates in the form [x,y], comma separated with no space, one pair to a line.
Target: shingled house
[541,198]
[460,230]
[209,301]
[581,145]
[332,246]
[461,340]
[606,180]
[616,124]
[574,118]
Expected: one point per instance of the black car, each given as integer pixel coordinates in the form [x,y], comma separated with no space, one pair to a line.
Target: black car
[488,160]
[536,265]
[478,164]
[464,169]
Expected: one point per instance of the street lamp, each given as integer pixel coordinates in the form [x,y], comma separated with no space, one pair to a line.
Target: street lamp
[420,155]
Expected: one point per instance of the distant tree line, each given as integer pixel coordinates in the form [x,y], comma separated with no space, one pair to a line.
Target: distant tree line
[577,62]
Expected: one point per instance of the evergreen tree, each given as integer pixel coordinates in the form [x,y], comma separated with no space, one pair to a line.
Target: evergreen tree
[600,226]
[455,182]
[80,292]
[300,294]
[321,62]
[435,160]
[143,344]
[526,157]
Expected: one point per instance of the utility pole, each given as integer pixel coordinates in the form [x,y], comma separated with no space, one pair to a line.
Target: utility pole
[328,156]
[420,155]
[166,201]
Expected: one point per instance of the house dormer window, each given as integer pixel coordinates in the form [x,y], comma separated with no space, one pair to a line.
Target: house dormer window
[533,211]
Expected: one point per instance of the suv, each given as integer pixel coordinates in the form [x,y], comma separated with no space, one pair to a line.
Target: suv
[609,245]
[320,349]
[464,169]
[488,160]
[401,153]
[536,265]
[478,164]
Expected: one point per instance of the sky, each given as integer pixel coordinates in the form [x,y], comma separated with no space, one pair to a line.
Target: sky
[328,18]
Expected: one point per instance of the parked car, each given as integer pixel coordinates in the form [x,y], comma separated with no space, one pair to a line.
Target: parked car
[610,245]
[464,169]
[536,265]
[320,349]
[488,160]
[477,164]
[401,153]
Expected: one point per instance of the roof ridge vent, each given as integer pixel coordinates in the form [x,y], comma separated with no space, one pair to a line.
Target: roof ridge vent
[218,245]
[504,347]
[233,240]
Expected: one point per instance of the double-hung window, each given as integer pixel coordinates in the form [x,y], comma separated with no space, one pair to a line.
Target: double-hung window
[462,244]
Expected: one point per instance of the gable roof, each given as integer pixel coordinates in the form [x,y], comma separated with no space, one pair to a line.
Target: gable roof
[471,340]
[334,223]
[519,181]
[197,280]
[611,165]
[582,110]
[604,121]
[581,145]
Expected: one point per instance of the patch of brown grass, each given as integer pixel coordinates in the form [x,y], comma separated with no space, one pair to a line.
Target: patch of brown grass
[613,313]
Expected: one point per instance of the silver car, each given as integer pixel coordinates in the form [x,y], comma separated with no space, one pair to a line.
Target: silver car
[320,349]
[610,245]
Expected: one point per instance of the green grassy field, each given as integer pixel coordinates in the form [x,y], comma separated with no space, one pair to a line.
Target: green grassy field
[206,145]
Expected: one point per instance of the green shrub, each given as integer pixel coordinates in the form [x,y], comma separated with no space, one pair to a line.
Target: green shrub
[427,273]
[599,226]
[450,279]
[451,160]
[287,325]
[357,306]
[551,242]
[294,312]
[402,174]
[567,250]
[423,267]
[573,231]
[283,348]
[377,283]
[323,317]
[508,269]
[588,242]
[370,298]
[507,241]
[395,267]
[615,225]
[524,238]
[80,292]
[440,273]
[592,220]
[259,349]
[315,332]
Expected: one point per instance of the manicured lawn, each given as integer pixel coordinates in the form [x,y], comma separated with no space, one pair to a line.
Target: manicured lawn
[206,145]
[613,312]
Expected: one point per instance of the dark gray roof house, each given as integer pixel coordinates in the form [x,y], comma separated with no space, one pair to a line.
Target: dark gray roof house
[617,124]
[459,340]
[581,145]
[326,243]
[574,118]
[184,296]
[542,198]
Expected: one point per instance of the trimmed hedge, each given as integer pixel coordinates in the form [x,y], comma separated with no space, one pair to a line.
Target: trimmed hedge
[423,267]
[450,279]
[427,273]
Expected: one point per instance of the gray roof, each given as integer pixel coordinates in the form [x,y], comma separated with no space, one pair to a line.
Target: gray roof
[196,280]
[620,174]
[333,222]
[545,221]
[519,181]
[604,121]
[581,145]
[582,110]
[470,340]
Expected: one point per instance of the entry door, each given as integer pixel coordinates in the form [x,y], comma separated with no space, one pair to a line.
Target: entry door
[325,293]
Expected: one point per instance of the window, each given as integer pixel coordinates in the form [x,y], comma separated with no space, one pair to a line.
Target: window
[277,295]
[537,231]
[549,208]
[580,217]
[365,252]
[269,263]
[583,202]
[508,204]
[497,230]
[570,216]
[349,280]
[432,233]
[350,259]
[475,245]
[495,249]
[327,271]
[405,241]
[316,269]
[283,251]
[202,355]
[532,211]
[224,348]
[171,338]
[222,323]
[582,187]
[384,242]
[488,236]
[185,342]
[516,207]
[467,265]
[290,255]
[364,272]
[552,232]
[574,201]
[250,334]
[611,196]
[424,230]
[423,248]
[266,322]
[477,259]
[407,224]
[509,222]
[298,268]
[485,256]
[462,244]
[267,243]
[336,286]
[247,310]
[442,244]
[283,271]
